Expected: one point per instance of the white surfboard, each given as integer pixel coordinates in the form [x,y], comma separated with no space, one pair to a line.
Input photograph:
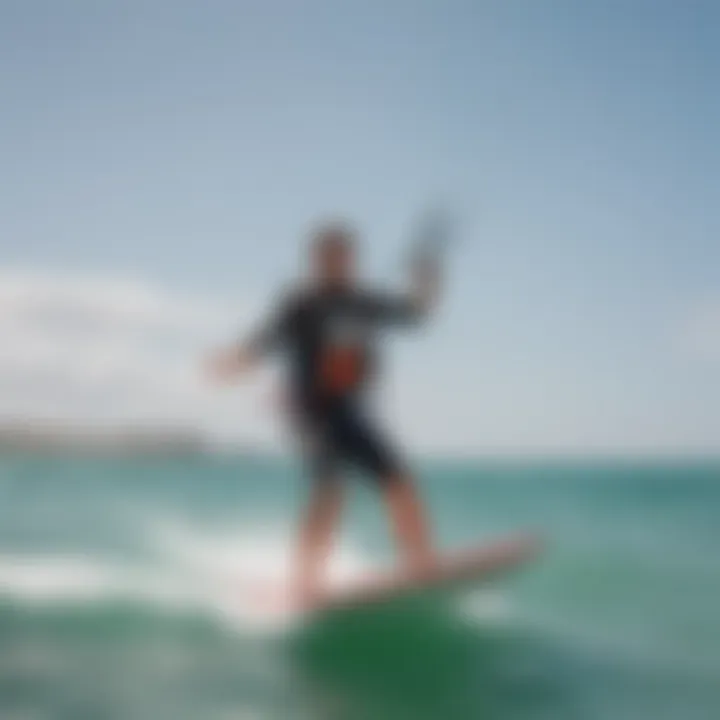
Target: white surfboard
[466,568]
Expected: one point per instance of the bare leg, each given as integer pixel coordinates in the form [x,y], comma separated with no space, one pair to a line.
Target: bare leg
[316,534]
[410,528]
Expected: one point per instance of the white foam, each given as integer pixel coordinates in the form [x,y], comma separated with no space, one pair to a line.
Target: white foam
[246,573]
[485,607]
[83,580]
[38,578]
[232,576]
[261,549]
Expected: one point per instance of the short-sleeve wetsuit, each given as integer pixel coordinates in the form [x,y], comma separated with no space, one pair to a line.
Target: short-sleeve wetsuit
[328,336]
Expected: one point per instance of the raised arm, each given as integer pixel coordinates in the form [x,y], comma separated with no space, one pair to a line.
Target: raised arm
[415,304]
[424,284]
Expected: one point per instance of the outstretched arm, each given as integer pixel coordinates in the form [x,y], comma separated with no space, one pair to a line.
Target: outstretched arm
[232,362]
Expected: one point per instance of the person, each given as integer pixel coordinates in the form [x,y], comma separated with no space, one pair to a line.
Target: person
[327,329]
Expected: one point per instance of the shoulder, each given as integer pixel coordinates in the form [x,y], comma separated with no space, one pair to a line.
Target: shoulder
[295,298]
[291,294]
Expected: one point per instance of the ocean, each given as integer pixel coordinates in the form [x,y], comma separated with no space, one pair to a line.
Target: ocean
[123,595]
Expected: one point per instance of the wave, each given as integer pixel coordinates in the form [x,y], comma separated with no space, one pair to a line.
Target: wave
[236,578]
[631,648]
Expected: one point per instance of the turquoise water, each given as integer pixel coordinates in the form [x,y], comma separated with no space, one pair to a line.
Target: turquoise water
[121,585]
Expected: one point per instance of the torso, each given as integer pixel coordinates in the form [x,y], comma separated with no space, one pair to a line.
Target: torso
[330,347]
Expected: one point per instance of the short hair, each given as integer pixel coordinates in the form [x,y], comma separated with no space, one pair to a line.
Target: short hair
[332,234]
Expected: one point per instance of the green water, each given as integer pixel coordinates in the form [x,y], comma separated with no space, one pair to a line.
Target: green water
[117,583]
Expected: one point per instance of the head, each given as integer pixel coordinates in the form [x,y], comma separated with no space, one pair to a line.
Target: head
[333,255]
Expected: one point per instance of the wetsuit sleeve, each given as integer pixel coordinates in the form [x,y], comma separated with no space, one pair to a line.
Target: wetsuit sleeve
[394,308]
[273,332]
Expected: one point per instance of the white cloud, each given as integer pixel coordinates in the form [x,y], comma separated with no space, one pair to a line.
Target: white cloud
[105,349]
[94,349]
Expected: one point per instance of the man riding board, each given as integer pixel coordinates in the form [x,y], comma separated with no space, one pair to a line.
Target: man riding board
[326,331]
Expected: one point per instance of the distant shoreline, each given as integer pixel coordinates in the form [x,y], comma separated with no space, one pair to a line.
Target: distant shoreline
[53,438]
[59,438]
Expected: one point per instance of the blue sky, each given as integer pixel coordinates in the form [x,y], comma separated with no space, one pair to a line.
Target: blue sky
[188,146]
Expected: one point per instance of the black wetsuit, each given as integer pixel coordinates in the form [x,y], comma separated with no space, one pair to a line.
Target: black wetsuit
[328,337]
